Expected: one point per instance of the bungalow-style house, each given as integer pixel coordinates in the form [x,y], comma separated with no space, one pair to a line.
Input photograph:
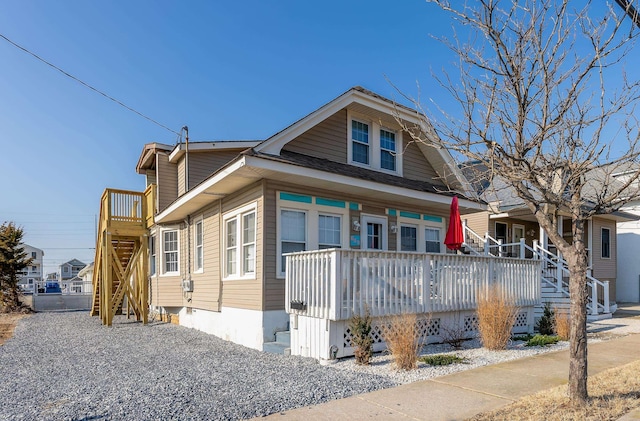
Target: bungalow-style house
[509,229]
[345,177]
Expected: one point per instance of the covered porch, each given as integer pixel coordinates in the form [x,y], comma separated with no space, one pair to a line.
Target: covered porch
[325,288]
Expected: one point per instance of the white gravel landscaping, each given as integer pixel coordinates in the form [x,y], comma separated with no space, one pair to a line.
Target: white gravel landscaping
[67,366]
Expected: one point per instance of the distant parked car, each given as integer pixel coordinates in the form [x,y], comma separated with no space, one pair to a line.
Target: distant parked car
[52,288]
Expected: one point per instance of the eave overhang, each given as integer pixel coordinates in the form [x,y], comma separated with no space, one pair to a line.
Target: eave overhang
[246,170]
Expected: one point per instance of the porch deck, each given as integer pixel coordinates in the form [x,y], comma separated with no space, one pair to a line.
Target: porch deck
[325,288]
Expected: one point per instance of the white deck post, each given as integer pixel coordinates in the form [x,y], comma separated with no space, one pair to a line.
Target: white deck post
[500,250]
[594,299]
[522,249]
[606,297]
[335,310]
[486,243]
[535,249]
[464,230]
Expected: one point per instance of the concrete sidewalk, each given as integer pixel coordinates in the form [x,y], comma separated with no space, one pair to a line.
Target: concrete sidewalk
[467,393]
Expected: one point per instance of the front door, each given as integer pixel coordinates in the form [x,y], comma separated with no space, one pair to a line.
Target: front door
[374,232]
[517,233]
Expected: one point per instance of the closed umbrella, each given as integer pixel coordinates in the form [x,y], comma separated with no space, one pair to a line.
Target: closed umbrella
[455,236]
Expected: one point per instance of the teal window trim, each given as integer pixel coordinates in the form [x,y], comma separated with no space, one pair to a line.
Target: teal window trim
[409,215]
[295,197]
[432,218]
[330,202]
[391,212]
[354,206]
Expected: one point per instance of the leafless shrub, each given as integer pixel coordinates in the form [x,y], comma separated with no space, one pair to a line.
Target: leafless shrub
[562,324]
[402,336]
[496,316]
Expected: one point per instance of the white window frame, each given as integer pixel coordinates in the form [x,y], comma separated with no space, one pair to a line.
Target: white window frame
[602,229]
[198,248]
[352,141]
[374,219]
[163,271]
[399,234]
[332,215]
[238,215]
[375,150]
[422,226]
[313,211]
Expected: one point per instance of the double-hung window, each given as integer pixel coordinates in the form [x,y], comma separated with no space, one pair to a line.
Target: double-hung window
[240,243]
[329,231]
[408,238]
[373,145]
[199,246]
[360,142]
[170,251]
[293,232]
[387,150]
[606,243]
[432,240]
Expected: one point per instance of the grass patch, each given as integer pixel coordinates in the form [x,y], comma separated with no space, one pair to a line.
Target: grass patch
[542,340]
[613,393]
[443,359]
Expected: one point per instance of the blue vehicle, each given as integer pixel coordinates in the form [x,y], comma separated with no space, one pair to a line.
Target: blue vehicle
[52,287]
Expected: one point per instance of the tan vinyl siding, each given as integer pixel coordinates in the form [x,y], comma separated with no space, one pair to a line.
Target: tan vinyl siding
[182,188]
[478,222]
[166,291]
[414,164]
[167,174]
[326,140]
[604,268]
[150,176]
[204,164]
[246,294]
[206,285]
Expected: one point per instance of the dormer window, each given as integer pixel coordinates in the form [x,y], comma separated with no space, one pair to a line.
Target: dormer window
[360,142]
[374,146]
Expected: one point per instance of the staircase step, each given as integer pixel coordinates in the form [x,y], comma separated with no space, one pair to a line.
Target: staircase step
[283,337]
[276,348]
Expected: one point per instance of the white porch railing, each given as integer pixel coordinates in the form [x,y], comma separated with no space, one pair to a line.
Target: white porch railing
[334,284]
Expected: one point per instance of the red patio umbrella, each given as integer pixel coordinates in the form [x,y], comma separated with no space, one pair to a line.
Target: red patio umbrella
[455,236]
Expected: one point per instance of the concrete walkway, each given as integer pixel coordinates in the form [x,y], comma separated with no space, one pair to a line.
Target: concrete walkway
[467,393]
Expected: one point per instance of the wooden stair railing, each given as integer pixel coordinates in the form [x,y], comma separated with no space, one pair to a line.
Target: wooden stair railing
[121,259]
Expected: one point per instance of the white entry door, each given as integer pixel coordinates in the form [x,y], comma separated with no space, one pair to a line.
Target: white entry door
[374,232]
[518,233]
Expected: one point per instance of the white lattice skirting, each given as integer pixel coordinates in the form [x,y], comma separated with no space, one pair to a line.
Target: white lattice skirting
[318,338]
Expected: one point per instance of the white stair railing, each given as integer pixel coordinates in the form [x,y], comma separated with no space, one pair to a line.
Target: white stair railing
[554,268]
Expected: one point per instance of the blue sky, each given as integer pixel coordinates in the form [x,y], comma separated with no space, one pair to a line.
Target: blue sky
[227,70]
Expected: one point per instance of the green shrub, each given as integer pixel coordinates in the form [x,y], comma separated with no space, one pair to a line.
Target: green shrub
[442,359]
[360,330]
[544,325]
[524,337]
[542,340]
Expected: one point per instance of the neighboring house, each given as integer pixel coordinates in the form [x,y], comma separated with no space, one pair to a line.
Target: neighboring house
[509,222]
[83,285]
[628,282]
[69,270]
[32,274]
[345,176]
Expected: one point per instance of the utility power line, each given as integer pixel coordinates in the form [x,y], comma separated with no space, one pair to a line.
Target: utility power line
[87,85]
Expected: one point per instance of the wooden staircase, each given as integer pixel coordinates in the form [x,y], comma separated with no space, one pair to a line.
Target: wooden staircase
[121,260]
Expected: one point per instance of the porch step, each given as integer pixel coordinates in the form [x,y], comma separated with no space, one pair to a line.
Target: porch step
[282,344]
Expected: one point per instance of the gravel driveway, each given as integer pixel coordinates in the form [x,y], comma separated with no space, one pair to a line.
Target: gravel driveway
[67,366]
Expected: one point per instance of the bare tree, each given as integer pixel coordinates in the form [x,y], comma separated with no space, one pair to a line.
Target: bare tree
[542,95]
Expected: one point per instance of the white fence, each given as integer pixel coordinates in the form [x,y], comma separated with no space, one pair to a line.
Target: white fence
[334,284]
